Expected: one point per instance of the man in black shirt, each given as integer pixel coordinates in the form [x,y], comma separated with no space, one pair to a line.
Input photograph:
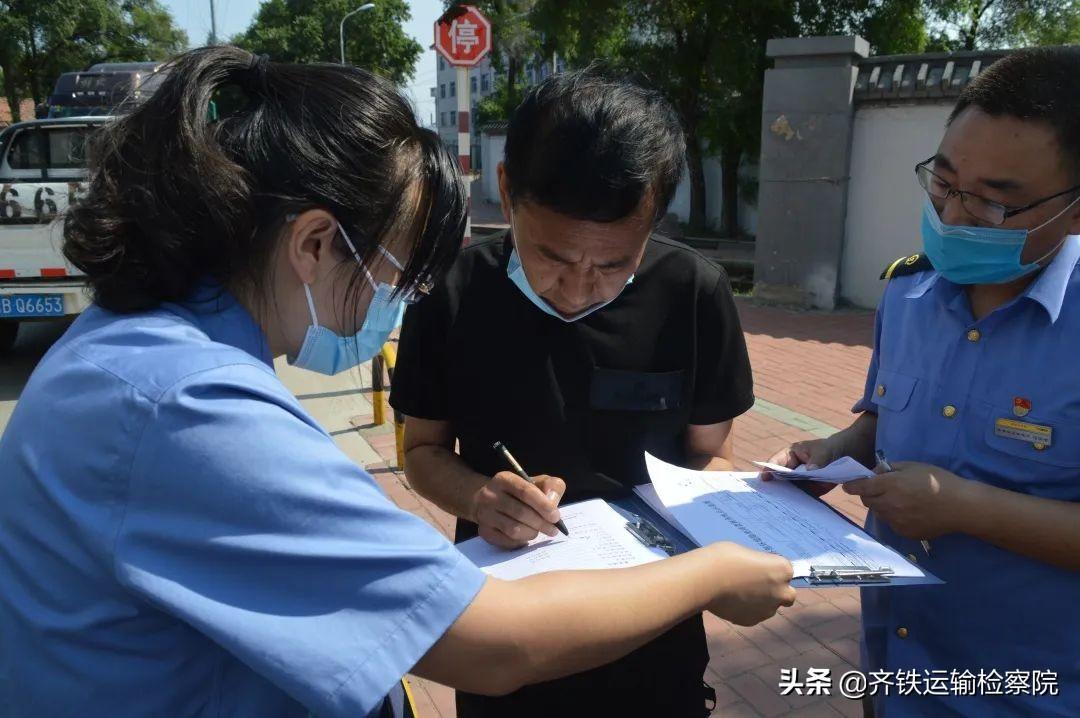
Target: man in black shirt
[581,340]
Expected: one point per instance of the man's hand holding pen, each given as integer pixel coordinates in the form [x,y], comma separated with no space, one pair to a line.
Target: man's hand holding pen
[510,511]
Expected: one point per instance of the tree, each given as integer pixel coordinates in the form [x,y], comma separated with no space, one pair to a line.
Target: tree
[709,59]
[985,24]
[308,31]
[516,41]
[731,126]
[40,40]
[499,104]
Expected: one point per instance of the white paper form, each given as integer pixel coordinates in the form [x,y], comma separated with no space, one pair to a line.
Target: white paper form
[840,471]
[598,539]
[769,516]
[647,493]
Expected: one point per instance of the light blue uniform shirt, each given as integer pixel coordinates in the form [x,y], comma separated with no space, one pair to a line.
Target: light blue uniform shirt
[179,537]
[997,610]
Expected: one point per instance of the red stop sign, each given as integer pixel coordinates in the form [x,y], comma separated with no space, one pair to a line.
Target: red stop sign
[463,36]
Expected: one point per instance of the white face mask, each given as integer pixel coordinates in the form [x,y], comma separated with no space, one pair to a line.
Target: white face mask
[516,272]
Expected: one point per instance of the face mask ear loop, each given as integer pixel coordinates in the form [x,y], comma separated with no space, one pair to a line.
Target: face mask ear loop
[513,233]
[393,260]
[356,256]
[348,242]
[352,248]
[311,306]
[371,279]
[1058,245]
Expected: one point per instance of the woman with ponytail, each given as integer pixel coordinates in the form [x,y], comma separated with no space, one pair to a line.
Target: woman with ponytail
[178,536]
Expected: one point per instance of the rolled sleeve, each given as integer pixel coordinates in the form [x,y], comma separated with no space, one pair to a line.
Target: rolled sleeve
[244,520]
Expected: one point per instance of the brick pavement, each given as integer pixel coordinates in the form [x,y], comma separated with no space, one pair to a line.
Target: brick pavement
[808,371]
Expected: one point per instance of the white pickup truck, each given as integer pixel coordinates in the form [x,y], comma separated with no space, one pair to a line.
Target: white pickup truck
[42,173]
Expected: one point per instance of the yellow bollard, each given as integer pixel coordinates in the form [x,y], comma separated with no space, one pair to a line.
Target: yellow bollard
[378,391]
[399,439]
[389,358]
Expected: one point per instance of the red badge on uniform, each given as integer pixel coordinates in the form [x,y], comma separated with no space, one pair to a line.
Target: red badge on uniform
[1021,406]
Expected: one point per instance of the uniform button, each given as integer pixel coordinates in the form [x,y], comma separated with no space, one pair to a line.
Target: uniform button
[901,632]
[881,390]
[1039,447]
[974,335]
[911,557]
[949,411]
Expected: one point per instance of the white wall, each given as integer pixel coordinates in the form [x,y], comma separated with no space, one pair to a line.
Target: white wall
[491,152]
[884,200]
[680,204]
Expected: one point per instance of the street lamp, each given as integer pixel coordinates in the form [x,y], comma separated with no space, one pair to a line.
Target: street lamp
[362,8]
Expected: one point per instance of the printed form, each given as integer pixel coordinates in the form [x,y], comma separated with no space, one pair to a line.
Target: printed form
[598,539]
[771,516]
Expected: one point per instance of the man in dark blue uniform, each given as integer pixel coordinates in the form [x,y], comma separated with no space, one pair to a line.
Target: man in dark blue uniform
[973,395]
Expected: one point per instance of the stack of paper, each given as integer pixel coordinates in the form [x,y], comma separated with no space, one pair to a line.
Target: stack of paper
[838,472]
[598,539]
[771,516]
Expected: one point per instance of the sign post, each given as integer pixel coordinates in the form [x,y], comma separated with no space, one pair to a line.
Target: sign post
[463,37]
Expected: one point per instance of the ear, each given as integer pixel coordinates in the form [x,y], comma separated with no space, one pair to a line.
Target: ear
[504,190]
[308,243]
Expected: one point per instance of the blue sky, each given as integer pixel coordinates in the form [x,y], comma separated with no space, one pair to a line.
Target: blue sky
[234,16]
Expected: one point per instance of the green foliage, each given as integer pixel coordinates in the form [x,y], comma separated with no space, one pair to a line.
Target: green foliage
[708,57]
[517,40]
[493,108]
[985,24]
[308,31]
[40,39]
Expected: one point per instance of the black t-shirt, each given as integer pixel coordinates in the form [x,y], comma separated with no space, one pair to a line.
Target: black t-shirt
[580,400]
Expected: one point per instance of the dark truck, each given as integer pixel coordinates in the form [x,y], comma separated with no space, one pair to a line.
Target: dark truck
[104,89]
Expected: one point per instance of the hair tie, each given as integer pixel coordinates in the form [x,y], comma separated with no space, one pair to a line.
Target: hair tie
[258,67]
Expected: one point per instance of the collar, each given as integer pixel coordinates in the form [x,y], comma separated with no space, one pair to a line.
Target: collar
[923,285]
[1048,289]
[1051,285]
[226,321]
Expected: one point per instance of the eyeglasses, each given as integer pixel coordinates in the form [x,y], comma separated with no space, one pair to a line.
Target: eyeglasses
[412,295]
[978,207]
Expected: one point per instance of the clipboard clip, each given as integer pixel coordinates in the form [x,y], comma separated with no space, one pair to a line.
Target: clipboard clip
[821,575]
[645,532]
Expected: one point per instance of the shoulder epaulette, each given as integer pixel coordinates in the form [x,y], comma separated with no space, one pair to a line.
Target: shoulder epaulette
[907,265]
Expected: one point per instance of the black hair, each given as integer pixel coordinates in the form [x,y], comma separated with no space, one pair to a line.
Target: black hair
[176,197]
[1039,84]
[593,144]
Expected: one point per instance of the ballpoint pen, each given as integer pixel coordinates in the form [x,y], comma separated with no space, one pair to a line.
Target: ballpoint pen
[501,448]
[884,463]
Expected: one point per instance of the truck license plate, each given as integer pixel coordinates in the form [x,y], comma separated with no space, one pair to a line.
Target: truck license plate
[31,305]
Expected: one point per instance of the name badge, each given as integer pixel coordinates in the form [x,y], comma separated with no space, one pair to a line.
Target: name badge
[1024,431]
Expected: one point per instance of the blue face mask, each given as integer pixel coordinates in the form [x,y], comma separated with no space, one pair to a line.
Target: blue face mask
[979,255]
[325,352]
[516,273]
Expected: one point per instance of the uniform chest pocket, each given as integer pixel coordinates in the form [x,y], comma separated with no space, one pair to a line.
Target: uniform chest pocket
[893,390]
[618,390]
[1015,437]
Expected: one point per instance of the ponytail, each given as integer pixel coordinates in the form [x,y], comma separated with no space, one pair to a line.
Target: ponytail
[176,196]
